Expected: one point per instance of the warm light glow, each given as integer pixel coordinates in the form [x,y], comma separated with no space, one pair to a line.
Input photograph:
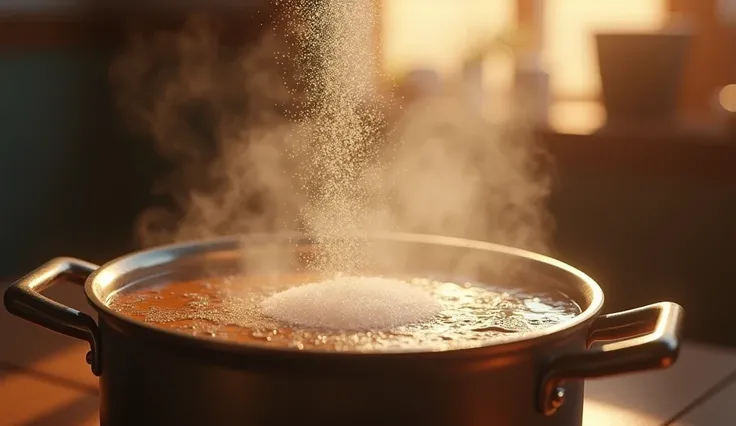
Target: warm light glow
[436,34]
[601,413]
[727,98]
[576,117]
[568,38]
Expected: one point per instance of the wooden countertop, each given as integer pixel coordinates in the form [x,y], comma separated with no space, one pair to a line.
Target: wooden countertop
[44,380]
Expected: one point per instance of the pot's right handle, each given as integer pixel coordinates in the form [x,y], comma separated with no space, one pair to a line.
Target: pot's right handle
[636,340]
[24,299]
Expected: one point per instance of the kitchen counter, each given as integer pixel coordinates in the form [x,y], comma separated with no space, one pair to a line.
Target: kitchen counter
[690,149]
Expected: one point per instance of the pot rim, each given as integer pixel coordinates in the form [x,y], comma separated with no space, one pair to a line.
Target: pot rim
[103,276]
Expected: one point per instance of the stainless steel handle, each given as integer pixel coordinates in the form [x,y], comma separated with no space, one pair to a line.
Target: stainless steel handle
[640,339]
[24,299]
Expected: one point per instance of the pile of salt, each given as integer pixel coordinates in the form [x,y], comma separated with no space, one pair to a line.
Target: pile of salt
[352,303]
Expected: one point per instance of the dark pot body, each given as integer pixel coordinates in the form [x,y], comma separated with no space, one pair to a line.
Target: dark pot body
[154,383]
[153,376]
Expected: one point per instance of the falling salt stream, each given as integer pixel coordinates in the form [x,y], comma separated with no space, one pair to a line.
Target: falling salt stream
[338,34]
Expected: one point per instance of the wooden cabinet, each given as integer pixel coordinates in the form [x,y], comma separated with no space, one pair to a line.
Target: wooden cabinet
[650,215]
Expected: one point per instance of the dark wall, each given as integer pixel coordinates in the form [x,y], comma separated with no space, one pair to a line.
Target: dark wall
[71,179]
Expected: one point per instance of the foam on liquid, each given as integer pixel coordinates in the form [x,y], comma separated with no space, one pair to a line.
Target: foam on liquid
[237,309]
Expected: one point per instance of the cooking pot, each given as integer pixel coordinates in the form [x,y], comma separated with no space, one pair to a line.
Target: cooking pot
[149,375]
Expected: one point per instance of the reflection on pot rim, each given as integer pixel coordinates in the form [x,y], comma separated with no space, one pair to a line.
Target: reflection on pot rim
[114,275]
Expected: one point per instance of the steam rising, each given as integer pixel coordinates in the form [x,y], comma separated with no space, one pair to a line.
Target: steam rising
[293,134]
[217,115]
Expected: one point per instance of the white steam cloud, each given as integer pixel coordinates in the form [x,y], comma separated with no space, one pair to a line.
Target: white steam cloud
[291,134]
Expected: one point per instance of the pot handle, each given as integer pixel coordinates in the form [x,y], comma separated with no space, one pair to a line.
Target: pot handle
[24,299]
[639,339]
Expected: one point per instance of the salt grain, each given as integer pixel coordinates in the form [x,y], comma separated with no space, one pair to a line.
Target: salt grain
[352,303]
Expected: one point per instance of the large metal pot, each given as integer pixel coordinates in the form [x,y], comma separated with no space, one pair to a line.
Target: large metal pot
[153,376]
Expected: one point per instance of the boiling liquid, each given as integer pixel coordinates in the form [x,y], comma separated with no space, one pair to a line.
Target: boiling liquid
[228,308]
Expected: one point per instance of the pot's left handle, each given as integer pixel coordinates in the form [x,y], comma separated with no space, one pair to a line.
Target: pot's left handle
[24,299]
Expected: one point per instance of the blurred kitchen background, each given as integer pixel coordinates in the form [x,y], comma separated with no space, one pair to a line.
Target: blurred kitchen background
[635,99]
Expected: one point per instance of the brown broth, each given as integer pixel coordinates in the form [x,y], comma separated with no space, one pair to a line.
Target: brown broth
[227,308]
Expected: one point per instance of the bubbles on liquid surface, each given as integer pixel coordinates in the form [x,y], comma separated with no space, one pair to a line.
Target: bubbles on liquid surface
[467,314]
